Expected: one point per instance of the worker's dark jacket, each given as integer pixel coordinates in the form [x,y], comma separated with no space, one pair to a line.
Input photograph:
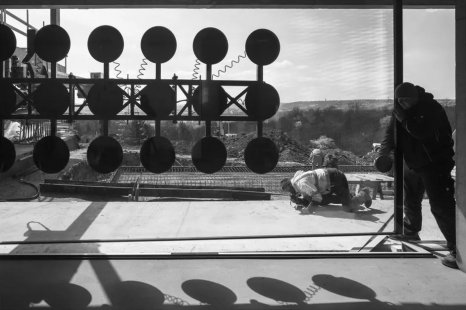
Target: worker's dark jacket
[426,135]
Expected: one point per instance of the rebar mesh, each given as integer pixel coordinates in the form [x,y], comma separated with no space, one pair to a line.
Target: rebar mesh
[231,176]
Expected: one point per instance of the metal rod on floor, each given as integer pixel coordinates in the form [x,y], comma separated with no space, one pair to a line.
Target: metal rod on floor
[195,238]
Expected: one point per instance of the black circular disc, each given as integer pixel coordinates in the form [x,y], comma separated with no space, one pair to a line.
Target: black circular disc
[262,47]
[51,154]
[7,42]
[157,154]
[51,98]
[105,44]
[262,101]
[52,43]
[210,45]
[158,99]
[158,44]
[7,99]
[261,155]
[7,154]
[276,289]
[66,296]
[209,100]
[208,292]
[105,99]
[104,154]
[383,163]
[209,155]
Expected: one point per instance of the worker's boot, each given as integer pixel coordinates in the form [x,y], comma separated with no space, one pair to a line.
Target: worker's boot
[363,197]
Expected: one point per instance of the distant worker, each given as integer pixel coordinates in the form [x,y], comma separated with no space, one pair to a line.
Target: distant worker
[427,146]
[331,161]
[316,159]
[309,189]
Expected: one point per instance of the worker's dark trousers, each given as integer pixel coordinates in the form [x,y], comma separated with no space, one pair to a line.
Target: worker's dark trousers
[439,185]
[339,191]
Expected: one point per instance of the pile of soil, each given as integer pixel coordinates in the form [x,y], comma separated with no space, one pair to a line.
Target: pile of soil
[347,157]
[290,150]
[370,157]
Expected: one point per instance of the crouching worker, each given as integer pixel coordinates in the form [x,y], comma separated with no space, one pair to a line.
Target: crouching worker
[309,189]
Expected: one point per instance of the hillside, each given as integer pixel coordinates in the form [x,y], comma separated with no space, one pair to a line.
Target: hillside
[337,104]
[365,104]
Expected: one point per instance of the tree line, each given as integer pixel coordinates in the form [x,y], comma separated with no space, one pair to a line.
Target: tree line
[353,129]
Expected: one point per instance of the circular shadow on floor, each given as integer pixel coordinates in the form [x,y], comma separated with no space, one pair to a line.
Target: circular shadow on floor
[135,295]
[344,286]
[277,290]
[208,292]
[67,296]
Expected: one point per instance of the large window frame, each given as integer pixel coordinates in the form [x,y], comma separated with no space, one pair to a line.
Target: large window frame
[397,5]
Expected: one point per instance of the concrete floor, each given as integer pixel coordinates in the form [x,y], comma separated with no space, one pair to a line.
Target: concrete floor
[62,280]
[46,221]
[332,283]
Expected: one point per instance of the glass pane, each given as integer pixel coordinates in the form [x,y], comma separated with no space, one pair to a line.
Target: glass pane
[334,77]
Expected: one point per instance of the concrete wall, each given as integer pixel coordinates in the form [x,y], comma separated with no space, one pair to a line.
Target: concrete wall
[461,132]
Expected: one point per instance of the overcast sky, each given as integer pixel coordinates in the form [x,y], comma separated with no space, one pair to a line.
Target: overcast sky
[325,54]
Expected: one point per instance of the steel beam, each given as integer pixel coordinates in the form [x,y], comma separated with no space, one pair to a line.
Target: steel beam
[337,4]
[117,190]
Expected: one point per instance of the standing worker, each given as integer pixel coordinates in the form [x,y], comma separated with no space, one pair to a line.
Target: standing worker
[427,146]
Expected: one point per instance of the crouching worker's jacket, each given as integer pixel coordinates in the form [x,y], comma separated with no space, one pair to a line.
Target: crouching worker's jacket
[312,184]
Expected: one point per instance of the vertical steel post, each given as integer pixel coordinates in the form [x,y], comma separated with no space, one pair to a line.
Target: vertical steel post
[104,123]
[53,122]
[260,78]
[157,128]
[175,88]
[158,70]
[260,127]
[1,120]
[53,70]
[208,124]
[460,147]
[55,16]
[133,91]
[398,79]
[260,73]
[72,99]
[53,126]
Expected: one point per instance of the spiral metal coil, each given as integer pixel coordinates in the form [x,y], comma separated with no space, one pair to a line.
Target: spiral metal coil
[196,69]
[229,66]
[311,291]
[142,68]
[118,71]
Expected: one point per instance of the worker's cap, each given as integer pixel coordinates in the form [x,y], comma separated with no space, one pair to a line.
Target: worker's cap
[406,90]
